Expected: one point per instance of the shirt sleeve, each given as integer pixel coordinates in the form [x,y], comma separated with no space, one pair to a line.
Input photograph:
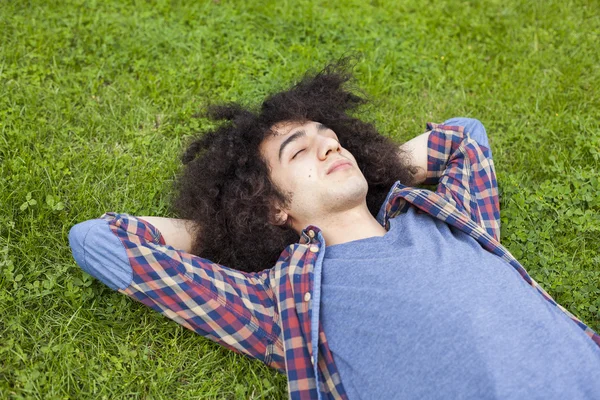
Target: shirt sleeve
[459,162]
[230,307]
[100,253]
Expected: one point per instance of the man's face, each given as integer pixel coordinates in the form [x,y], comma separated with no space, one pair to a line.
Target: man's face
[308,163]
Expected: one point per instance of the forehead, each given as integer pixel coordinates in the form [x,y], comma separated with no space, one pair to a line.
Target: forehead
[282,129]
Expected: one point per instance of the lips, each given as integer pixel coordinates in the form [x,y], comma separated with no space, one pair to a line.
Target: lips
[336,164]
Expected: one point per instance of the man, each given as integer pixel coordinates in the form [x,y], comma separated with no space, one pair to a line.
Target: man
[346,278]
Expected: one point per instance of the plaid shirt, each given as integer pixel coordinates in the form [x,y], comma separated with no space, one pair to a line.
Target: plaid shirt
[272,315]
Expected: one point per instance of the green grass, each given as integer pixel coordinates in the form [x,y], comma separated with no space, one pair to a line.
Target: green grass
[96,104]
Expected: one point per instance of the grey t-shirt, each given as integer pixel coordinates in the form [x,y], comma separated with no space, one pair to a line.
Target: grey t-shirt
[425,312]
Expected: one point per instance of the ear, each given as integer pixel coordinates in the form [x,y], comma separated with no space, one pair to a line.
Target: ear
[278,217]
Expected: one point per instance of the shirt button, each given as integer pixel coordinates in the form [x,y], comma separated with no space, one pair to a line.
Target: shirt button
[307,296]
[314,249]
[311,233]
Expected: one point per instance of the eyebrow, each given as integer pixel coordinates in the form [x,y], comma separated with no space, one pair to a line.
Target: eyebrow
[295,136]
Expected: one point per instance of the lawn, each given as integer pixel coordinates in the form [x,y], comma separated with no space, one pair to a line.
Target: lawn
[98,98]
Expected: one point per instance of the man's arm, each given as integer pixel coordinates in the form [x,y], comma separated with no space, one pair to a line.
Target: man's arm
[417,149]
[177,233]
[417,146]
[456,157]
[129,254]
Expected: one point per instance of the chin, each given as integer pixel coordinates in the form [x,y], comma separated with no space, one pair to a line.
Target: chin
[349,195]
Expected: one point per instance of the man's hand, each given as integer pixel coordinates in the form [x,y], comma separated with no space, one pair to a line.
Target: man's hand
[176,232]
[417,149]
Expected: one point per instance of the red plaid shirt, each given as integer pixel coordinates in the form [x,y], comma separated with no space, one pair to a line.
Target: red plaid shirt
[267,315]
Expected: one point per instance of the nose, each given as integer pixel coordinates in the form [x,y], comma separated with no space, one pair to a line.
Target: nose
[328,147]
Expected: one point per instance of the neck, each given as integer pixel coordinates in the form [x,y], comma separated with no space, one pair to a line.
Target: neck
[349,225]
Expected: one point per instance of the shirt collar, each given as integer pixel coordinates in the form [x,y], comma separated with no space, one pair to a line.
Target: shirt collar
[310,234]
[383,214]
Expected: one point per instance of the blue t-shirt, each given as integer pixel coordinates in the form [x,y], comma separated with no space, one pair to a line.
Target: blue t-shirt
[425,312]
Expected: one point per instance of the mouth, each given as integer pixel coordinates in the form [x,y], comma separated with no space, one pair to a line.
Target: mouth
[339,165]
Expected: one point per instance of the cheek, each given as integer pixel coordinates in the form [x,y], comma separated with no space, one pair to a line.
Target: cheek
[308,174]
[348,155]
[300,178]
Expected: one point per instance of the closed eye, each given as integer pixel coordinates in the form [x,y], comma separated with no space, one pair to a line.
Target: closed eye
[298,153]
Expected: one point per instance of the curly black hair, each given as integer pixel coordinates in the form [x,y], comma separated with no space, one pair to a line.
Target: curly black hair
[225,188]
